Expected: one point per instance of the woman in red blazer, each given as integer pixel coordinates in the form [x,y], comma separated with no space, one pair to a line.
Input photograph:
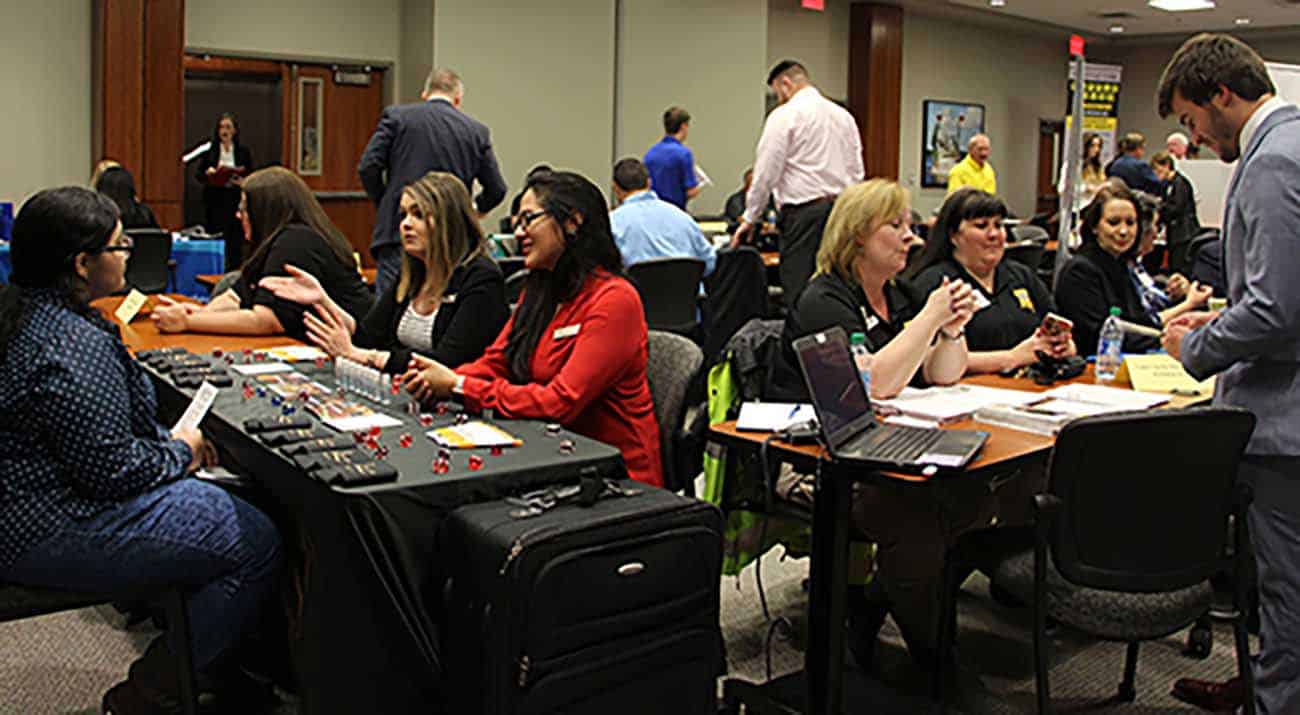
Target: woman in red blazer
[575,350]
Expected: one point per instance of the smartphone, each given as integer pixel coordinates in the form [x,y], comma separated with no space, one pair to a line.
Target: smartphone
[1054,324]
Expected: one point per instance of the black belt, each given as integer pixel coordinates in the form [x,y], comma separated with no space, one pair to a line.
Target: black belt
[806,204]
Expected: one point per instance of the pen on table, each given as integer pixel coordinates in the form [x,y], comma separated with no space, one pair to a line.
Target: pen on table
[793,411]
[1185,392]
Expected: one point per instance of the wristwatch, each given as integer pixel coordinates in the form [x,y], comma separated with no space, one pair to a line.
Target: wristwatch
[458,388]
[960,334]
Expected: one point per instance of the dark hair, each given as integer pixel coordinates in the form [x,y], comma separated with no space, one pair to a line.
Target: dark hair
[50,230]
[1163,158]
[455,237]
[961,205]
[539,169]
[1147,207]
[563,194]
[1090,217]
[793,67]
[630,174]
[674,118]
[1131,142]
[118,185]
[1094,162]
[1208,61]
[214,151]
[276,198]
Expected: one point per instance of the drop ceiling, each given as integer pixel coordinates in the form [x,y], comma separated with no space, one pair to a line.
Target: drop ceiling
[1098,16]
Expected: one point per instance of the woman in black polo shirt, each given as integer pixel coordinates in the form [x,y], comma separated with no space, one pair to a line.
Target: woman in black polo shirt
[855,286]
[448,302]
[968,243]
[288,227]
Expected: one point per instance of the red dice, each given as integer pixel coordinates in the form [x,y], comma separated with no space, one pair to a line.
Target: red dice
[440,466]
[406,440]
[475,462]
[426,420]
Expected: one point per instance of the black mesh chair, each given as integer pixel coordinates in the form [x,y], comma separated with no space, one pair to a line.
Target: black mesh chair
[510,265]
[150,268]
[1029,254]
[671,366]
[1029,233]
[1134,524]
[670,289]
[21,602]
[515,286]
[737,293]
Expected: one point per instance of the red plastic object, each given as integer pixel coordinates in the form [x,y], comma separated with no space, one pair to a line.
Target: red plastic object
[375,431]
[405,440]
[475,462]
[496,451]
[441,466]
[426,420]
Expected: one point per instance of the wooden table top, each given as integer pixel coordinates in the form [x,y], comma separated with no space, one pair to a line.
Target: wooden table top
[142,334]
[1004,444]
[210,279]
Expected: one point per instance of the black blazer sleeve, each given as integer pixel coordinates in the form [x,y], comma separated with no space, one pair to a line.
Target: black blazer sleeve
[303,249]
[374,161]
[206,161]
[377,330]
[480,311]
[1085,295]
[489,177]
[1181,201]
[244,158]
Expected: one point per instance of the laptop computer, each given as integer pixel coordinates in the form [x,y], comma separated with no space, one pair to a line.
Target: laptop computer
[850,429]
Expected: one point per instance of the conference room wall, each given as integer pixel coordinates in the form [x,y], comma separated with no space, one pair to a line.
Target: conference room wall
[319,30]
[715,69]
[1019,77]
[540,75]
[46,79]
[1145,59]
[416,51]
[820,40]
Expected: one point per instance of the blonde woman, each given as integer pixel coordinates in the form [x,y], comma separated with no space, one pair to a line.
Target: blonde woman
[855,286]
[448,302]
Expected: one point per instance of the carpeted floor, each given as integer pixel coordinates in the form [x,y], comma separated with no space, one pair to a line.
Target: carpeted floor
[64,662]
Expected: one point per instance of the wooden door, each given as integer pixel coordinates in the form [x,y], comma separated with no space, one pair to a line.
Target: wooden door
[1051,154]
[328,127]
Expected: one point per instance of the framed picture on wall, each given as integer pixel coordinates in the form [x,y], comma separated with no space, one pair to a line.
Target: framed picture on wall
[946,128]
[311,106]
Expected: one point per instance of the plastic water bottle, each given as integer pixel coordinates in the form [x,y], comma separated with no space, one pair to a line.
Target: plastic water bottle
[861,358]
[1110,347]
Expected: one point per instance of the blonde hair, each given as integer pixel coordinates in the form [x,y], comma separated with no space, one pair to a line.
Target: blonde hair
[860,210]
[454,233]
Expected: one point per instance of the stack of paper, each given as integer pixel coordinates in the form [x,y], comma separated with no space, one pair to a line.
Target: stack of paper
[1103,396]
[952,403]
[773,416]
[476,433]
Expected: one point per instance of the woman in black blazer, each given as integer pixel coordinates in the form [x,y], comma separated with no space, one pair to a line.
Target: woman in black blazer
[221,198]
[1097,277]
[448,302]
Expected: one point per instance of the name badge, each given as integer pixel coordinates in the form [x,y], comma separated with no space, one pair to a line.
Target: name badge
[1022,295]
[449,298]
[981,301]
[869,320]
[567,331]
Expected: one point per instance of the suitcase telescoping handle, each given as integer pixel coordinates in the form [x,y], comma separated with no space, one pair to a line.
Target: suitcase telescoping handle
[585,493]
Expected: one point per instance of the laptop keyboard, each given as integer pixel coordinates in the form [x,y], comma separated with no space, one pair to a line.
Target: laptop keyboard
[903,444]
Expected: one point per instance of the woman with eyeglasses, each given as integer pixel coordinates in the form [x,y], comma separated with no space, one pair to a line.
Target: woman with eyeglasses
[575,350]
[449,300]
[287,227]
[94,493]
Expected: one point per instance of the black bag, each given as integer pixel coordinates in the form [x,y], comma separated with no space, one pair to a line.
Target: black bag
[608,608]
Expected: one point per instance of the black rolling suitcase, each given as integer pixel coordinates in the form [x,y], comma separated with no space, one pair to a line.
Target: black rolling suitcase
[607,609]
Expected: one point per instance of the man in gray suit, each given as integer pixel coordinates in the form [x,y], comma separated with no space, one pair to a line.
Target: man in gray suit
[1221,93]
[414,139]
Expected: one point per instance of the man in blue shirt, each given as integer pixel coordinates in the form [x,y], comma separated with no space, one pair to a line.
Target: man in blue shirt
[1131,167]
[671,164]
[645,227]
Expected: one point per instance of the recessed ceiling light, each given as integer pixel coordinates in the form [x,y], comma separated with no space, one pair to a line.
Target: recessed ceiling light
[1181,5]
[998,3]
[1116,28]
[1242,21]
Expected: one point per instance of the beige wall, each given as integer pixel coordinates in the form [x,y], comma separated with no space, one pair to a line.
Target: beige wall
[715,69]
[819,40]
[46,76]
[541,76]
[1019,78]
[1143,63]
[416,55]
[327,30]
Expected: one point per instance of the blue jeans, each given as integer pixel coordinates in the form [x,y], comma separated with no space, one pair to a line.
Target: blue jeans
[388,266]
[186,533]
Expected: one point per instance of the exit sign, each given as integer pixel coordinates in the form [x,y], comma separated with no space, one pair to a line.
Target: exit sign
[818,5]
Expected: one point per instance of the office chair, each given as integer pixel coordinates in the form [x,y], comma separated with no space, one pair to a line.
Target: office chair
[669,289]
[150,268]
[671,366]
[1127,537]
[515,286]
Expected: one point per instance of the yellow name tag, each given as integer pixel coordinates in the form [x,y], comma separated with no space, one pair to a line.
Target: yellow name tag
[1022,295]
[567,331]
[130,306]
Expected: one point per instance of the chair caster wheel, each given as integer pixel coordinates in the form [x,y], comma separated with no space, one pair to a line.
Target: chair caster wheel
[1200,641]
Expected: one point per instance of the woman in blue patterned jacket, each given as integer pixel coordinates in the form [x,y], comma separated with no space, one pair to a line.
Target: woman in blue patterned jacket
[95,495]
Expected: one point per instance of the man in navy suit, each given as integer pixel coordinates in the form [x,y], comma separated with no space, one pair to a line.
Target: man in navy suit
[1221,93]
[1132,168]
[414,139]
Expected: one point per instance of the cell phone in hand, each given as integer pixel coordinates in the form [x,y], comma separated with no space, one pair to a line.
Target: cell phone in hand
[1054,324]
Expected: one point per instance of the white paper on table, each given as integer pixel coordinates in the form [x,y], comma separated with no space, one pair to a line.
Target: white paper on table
[130,306]
[198,408]
[262,368]
[905,421]
[701,177]
[773,416]
[361,422]
[1107,396]
[296,353]
[954,402]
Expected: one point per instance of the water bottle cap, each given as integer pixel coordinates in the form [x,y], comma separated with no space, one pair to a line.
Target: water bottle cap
[858,339]
[1114,310]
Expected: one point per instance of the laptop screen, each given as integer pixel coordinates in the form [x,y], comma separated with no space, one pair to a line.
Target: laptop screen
[834,385]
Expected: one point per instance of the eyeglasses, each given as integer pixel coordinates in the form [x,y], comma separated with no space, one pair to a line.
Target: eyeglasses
[125,246]
[526,219]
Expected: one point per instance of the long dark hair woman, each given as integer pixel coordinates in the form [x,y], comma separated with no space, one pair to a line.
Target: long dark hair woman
[287,228]
[118,185]
[449,299]
[221,171]
[94,493]
[575,350]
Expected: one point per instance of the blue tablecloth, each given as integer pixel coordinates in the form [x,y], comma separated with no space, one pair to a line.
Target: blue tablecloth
[193,258]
